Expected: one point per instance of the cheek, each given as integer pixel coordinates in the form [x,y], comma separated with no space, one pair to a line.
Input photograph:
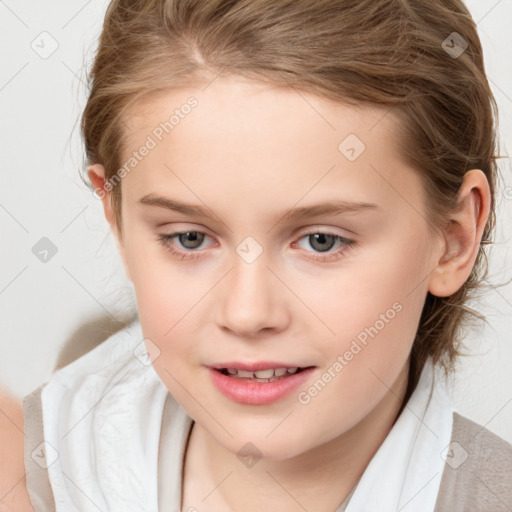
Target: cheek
[372,312]
[171,315]
[374,336]
[168,308]
[168,319]
[165,290]
[379,289]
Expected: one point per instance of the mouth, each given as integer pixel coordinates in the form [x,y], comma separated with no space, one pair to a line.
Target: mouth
[267,375]
[259,383]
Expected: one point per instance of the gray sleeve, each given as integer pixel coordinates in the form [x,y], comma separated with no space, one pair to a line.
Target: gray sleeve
[478,472]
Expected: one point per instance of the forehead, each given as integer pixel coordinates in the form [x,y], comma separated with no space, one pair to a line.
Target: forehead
[265,140]
[238,105]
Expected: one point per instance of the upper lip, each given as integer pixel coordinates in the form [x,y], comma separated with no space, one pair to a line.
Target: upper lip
[256,365]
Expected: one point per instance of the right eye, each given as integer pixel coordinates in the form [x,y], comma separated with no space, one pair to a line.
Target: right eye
[189,240]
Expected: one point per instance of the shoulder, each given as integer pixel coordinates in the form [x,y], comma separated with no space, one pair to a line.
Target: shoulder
[107,399]
[478,469]
[484,444]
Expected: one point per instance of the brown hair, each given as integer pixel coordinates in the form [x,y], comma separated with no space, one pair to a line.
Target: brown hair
[389,53]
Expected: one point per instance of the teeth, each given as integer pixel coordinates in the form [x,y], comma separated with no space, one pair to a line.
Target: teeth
[269,375]
[264,374]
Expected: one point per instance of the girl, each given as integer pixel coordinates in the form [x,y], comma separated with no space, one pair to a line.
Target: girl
[301,193]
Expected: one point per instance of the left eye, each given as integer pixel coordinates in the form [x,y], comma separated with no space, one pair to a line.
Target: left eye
[321,242]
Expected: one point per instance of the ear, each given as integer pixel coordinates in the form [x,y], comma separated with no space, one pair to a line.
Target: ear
[462,235]
[96,173]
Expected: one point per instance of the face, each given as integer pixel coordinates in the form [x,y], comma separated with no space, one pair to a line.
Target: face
[263,271]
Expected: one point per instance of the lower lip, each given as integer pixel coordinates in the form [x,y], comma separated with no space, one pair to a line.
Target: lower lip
[258,393]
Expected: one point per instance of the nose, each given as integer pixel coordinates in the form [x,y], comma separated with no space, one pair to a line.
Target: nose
[253,299]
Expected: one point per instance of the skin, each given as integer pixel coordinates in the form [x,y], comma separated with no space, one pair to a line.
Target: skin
[247,152]
[13,492]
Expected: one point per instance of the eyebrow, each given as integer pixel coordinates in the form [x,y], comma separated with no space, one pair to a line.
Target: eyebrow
[327,208]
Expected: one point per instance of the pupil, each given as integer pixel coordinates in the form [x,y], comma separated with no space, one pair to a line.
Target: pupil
[193,237]
[318,241]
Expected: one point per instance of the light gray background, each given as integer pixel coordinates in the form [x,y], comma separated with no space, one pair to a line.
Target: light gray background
[41,195]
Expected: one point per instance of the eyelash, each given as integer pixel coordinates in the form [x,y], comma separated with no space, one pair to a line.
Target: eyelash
[191,254]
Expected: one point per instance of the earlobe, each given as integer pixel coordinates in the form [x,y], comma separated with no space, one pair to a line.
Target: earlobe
[462,235]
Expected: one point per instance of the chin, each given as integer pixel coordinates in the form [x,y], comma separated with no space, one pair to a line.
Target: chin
[247,443]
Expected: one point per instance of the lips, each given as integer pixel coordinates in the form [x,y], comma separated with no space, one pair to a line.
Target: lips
[256,391]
